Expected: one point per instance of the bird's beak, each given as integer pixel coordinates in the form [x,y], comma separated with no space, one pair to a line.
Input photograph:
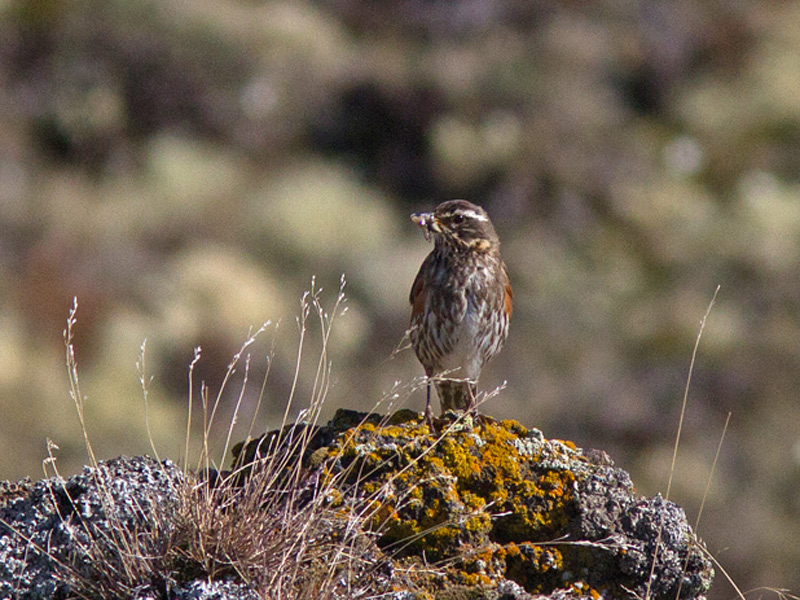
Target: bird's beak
[427,222]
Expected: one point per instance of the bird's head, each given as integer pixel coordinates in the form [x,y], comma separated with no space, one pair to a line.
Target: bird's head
[459,224]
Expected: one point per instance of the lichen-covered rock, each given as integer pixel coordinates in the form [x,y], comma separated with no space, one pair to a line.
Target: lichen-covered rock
[488,503]
[478,510]
[63,537]
[214,590]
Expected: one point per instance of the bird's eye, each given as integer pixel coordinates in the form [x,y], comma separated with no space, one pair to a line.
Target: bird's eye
[457,218]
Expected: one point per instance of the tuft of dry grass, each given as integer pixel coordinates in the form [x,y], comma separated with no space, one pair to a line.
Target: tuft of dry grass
[273,524]
[130,541]
[275,528]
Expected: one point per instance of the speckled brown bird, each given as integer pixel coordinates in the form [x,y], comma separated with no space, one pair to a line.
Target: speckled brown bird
[460,302]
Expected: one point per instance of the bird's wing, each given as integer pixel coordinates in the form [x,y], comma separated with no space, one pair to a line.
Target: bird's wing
[418,292]
[509,295]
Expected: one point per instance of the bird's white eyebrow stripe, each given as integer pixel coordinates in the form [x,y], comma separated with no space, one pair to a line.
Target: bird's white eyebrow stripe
[474,215]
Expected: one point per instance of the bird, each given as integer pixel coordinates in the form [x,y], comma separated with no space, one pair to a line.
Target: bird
[461,302]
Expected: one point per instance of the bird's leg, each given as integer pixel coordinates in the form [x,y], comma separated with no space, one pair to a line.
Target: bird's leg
[472,406]
[428,414]
[472,401]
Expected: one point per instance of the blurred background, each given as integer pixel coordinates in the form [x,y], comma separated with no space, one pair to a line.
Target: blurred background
[185,167]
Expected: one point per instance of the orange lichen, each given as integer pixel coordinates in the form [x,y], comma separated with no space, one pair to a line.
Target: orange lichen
[567,443]
[514,427]
[458,458]
[478,487]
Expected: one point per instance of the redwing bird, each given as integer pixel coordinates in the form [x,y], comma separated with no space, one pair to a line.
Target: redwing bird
[460,302]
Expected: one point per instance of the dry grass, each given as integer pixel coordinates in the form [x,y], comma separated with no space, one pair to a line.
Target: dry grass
[780,593]
[677,443]
[276,529]
[131,543]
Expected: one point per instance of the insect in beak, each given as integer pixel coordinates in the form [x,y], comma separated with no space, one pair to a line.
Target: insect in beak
[426,222]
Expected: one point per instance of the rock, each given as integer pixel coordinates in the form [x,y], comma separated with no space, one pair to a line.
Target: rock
[492,504]
[478,509]
[79,534]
